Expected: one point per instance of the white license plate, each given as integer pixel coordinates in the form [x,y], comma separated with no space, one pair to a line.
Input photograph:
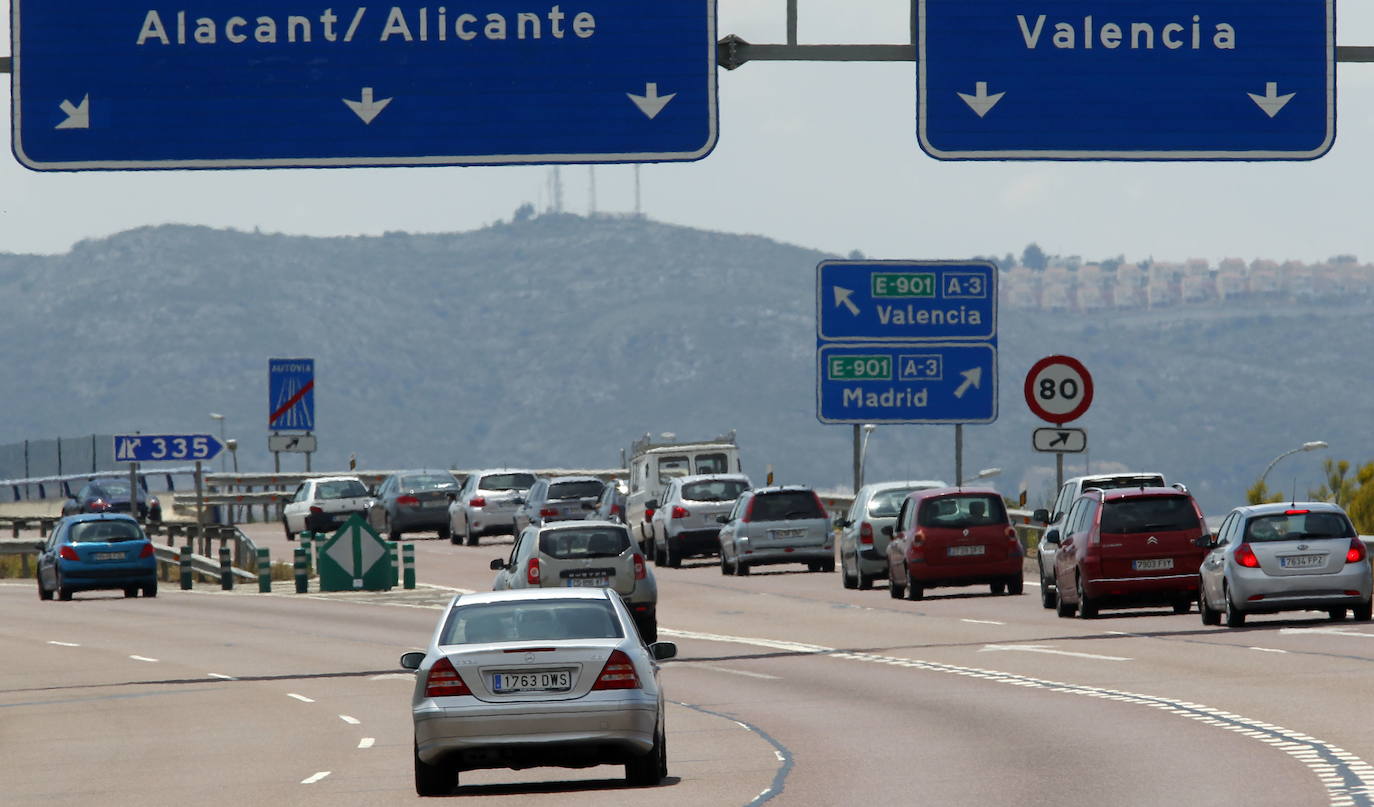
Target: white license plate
[779,534]
[964,551]
[1152,565]
[545,681]
[340,517]
[1302,561]
[108,556]
[590,582]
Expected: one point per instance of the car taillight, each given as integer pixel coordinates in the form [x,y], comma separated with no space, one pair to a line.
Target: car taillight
[444,681]
[316,510]
[615,510]
[548,512]
[532,571]
[1245,556]
[680,512]
[409,501]
[1014,543]
[68,553]
[1357,551]
[100,504]
[866,533]
[619,673]
[918,546]
[749,511]
[1296,512]
[639,566]
[819,506]
[477,501]
[648,514]
[146,551]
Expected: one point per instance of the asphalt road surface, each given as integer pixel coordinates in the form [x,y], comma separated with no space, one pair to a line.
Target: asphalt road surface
[788,690]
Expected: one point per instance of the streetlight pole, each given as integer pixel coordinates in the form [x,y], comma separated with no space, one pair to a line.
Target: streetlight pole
[1312,446]
[220,418]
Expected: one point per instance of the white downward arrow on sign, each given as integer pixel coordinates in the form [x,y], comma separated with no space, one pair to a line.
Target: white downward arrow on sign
[980,102]
[842,299]
[78,115]
[651,103]
[1271,102]
[367,109]
[972,378]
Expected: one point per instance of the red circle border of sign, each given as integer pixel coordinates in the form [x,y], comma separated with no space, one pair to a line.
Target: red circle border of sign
[1077,411]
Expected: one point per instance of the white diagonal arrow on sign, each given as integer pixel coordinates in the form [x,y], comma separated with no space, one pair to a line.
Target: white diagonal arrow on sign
[980,102]
[842,299]
[972,378]
[78,115]
[1271,102]
[367,108]
[651,103]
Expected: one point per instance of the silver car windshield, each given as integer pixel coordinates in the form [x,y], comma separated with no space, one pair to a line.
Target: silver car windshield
[570,544]
[1298,525]
[538,621]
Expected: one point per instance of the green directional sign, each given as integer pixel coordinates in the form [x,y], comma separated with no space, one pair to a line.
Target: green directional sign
[355,559]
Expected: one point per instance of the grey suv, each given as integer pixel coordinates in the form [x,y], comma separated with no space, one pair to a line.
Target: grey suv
[776,525]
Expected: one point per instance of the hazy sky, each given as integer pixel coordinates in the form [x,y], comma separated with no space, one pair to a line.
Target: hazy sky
[822,155]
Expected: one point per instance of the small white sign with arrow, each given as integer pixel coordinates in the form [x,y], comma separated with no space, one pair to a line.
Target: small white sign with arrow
[1060,441]
[651,103]
[367,108]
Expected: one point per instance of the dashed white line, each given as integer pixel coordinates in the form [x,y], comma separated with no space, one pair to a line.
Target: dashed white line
[65,644]
[222,676]
[1331,631]
[300,698]
[983,621]
[144,658]
[352,721]
[386,676]
[366,742]
[764,676]
[1269,650]
[312,779]
[1041,648]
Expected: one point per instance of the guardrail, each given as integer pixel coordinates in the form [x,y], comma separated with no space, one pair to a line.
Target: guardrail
[168,557]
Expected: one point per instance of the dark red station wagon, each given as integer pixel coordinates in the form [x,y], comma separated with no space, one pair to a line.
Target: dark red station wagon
[953,537]
[1128,547]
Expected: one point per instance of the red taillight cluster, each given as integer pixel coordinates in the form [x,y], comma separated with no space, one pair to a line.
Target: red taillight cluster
[444,681]
[100,505]
[532,572]
[1357,551]
[866,534]
[648,514]
[680,512]
[819,505]
[548,512]
[619,673]
[639,566]
[615,510]
[477,501]
[1245,556]
[409,501]
[749,511]
[316,510]
[69,553]
[917,550]
[146,551]
[1013,543]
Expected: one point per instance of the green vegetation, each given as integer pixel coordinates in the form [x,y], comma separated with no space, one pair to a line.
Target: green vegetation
[1353,492]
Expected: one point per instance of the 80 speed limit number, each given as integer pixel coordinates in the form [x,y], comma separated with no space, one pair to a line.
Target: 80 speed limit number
[1059,389]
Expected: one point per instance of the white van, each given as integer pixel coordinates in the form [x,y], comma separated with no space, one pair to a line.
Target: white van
[654,465]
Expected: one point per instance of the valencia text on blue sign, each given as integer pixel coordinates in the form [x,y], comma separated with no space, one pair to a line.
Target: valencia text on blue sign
[267,83]
[898,301]
[1126,79]
[165,447]
[906,383]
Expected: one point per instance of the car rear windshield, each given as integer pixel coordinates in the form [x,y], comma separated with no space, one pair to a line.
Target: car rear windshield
[886,503]
[785,505]
[429,482]
[716,490]
[540,621]
[1150,514]
[89,532]
[1118,482]
[712,464]
[506,482]
[589,489]
[570,544]
[1298,526]
[340,489]
[113,487]
[971,510]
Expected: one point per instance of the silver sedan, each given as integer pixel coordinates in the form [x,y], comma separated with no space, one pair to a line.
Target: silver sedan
[1284,557]
[537,678]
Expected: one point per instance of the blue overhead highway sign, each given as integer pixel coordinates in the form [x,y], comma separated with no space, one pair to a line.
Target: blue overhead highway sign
[291,394]
[906,383]
[259,84]
[901,301]
[1126,79]
[163,447]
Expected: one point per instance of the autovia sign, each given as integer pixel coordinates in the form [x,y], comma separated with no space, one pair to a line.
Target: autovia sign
[1126,79]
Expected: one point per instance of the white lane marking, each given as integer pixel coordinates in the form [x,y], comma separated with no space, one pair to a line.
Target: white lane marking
[446,588]
[1357,781]
[1330,631]
[300,698]
[310,780]
[746,673]
[982,622]
[352,721]
[1044,648]
[366,742]
[1269,650]
[223,676]
[65,644]
[144,658]
[386,676]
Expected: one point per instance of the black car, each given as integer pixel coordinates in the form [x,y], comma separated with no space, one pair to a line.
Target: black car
[112,496]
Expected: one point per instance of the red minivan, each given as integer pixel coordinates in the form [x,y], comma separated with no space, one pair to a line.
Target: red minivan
[953,537]
[1128,547]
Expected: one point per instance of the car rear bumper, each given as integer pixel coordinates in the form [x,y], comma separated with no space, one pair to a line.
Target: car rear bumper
[1253,591]
[937,575]
[486,735]
[1161,589]
[328,522]
[694,542]
[88,577]
[756,556]
[417,520]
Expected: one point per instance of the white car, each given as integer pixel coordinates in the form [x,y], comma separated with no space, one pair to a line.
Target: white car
[686,523]
[321,505]
[487,502]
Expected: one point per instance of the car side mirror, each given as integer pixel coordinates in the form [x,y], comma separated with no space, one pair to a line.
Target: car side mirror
[589,505]
[453,495]
[723,519]
[412,660]
[1208,541]
[497,564]
[1052,537]
[888,531]
[652,504]
[662,651]
[1042,515]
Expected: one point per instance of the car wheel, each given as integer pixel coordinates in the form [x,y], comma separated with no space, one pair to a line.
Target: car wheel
[1209,617]
[472,539]
[741,568]
[1336,614]
[43,593]
[1087,609]
[63,593]
[446,533]
[671,559]
[865,580]
[657,555]
[131,591]
[648,629]
[828,566]
[724,567]
[433,780]
[813,566]
[846,579]
[1064,608]
[914,592]
[150,590]
[998,588]
[1234,616]
[1016,586]
[1049,597]
[393,534]
[1361,612]
[649,770]
[287,528]
[1183,606]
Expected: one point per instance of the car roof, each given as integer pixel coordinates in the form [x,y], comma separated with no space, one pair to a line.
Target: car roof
[515,595]
[1273,508]
[1145,491]
[567,525]
[950,490]
[1079,480]
[709,477]
[336,479]
[877,487]
[782,489]
[578,478]
[486,471]
[80,517]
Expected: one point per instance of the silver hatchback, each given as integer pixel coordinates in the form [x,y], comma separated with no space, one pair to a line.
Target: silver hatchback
[863,544]
[487,503]
[1284,557]
[541,678]
[776,525]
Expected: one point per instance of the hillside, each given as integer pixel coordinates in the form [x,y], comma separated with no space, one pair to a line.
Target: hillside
[559,339]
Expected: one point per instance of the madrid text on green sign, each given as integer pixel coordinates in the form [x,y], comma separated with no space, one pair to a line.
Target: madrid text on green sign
[860,368]
[903,284]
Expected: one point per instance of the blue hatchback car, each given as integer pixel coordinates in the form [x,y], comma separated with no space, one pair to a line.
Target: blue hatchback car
[97,551]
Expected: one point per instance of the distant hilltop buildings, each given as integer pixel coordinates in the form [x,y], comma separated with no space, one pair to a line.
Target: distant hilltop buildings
[1067,284]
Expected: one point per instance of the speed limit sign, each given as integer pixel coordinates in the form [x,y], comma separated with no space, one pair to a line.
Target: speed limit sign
[1059,389]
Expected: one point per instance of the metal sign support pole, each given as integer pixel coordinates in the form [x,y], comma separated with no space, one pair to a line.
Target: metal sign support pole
[958,455]
[1058,472]
[200,497]
[858,459]
[133,490]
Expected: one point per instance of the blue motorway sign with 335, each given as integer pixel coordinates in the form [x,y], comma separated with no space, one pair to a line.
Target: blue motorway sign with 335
[1126,79]
[262,83]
